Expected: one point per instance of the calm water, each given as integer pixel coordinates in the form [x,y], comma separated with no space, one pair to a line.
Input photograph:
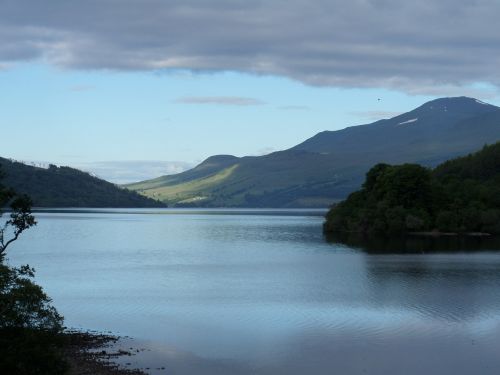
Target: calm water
[262,292]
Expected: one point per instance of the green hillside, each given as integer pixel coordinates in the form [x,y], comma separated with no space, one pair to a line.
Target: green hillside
[461,195]
[68,187]
[332,164]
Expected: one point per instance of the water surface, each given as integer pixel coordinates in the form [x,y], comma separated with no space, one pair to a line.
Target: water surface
[263,292]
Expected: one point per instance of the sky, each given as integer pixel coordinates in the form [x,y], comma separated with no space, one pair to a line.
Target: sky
[134,89]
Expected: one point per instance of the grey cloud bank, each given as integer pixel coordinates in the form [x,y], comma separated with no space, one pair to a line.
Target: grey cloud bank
[415,47]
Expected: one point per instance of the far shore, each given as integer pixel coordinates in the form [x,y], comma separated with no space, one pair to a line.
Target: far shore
[423,234]
[444,234]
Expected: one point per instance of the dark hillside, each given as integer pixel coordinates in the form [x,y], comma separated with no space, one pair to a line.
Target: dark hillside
[68,187]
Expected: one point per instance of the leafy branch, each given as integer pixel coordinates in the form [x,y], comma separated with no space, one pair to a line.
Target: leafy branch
[20,219]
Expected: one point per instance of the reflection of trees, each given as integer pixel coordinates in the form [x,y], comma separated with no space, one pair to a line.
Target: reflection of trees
[415,244]
[456,287]
[442,289]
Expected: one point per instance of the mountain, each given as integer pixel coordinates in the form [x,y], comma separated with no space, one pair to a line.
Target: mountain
[332,164]
[68,187]
[415,134]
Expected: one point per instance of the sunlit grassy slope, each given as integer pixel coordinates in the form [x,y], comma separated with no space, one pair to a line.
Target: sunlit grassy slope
[190,191]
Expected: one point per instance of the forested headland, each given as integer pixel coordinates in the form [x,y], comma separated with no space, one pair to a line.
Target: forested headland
[459,196]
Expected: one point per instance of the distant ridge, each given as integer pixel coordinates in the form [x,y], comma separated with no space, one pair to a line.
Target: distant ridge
[415,131]
[331,164]
[68,187]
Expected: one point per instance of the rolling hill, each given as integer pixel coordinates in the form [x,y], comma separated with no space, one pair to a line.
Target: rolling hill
[68,187]
[331,164]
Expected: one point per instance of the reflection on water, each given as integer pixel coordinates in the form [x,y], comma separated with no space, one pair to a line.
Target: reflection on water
[264,293]
[447,287]
[420,244]
[448,278]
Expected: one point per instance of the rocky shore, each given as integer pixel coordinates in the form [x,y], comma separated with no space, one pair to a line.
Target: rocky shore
[92,353]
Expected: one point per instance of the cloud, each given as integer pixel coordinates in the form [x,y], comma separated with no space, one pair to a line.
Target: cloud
[122,172]
[418,47]
[375,115]
[294,108]
[266,150]
[220,100]
[80,88]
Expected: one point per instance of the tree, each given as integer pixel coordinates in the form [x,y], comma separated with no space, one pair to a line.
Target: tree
[21,217]
[30,328]
[20,220]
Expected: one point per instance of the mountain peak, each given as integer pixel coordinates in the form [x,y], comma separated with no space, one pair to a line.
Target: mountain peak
[457,103]
[436,118]
[217,161]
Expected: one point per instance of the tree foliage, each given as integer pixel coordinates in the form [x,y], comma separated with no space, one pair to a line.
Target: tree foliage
[23,304]
[460,195]
[20,219]
[30,327]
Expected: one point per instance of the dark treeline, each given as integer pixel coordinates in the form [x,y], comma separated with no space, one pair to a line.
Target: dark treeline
[69,187]
[460,195]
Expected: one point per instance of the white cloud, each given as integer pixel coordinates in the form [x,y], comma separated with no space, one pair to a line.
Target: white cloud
[375,115]
[220,100]
[266,151]
[294,108]
[81,88]
[122,172]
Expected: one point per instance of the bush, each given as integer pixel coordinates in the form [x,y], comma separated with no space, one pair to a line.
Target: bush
[30,328]
[23,304]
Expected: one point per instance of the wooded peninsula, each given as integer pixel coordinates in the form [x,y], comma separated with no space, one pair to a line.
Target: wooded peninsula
[459,196]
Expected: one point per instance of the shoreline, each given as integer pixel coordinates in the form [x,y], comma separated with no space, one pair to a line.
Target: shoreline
[95,353]
[450,234]
[421,234]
